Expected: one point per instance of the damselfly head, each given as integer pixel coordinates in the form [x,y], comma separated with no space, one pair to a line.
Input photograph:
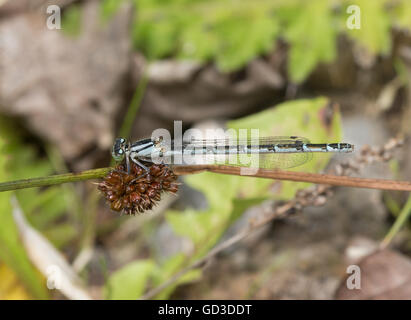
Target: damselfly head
[120,148]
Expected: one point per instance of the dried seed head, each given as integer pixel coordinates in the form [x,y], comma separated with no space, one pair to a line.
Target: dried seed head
[138,191]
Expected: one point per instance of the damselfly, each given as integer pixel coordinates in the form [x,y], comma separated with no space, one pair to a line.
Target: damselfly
[269,152]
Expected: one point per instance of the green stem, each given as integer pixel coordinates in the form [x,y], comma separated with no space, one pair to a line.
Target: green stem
[398,224]
[134,106]
[56,179]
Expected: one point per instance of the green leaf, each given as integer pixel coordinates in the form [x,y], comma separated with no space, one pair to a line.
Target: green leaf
[158,37]
[241,41]
[221,191]
[109,7]
[230,33]
[402,14]
[241,205]
[197,226]
[312,37]
[233,32]
[374,33]
[190,276]
[130,281]
[168,269]
[71,20]
[199,40]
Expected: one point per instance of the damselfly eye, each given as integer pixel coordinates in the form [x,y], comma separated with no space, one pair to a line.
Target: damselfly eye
[119,149]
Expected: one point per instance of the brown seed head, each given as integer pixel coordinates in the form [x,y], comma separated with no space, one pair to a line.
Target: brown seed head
[138,191]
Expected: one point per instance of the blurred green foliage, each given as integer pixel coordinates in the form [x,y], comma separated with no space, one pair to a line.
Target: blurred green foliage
[312,39]
[46,209]
[130,281]
[71,20]
[376,23]
[233,32]
[12,252]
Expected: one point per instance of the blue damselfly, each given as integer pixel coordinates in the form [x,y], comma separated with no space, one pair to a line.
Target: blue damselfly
[269,152]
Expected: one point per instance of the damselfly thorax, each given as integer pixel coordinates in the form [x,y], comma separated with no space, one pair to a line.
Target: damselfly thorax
[268,152]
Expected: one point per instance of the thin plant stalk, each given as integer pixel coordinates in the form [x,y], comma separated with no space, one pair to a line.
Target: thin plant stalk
[327,179]
[55,179]
[398,224]
[133,108]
